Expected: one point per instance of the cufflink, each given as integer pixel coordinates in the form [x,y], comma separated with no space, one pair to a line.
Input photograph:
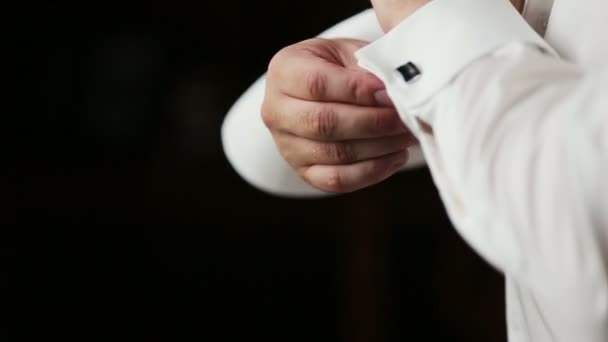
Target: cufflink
[410,72]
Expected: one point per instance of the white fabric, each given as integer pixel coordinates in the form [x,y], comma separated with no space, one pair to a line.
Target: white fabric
[518,148]
[518,154]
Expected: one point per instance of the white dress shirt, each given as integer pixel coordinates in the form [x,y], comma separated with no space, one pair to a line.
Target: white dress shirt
[514,129]
[517,141]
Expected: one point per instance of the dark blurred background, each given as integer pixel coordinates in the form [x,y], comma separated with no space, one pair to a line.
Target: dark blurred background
[125,220]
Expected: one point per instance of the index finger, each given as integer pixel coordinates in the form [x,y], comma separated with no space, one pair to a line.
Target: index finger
[307,76]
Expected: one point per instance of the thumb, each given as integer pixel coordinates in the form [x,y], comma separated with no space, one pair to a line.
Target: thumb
[345,49]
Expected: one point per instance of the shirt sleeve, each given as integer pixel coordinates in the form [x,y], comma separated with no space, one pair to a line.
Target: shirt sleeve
[248,145]
[516,140]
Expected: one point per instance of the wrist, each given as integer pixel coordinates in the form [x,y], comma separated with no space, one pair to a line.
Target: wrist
[392,13]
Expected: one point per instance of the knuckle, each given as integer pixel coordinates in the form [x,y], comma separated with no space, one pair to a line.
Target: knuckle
[279,64]
[380,121]
[357,90]
[276,61]
[322,122]
[272,71]
[316,84]
[340,152]
[371,170]
[330,181]
[321,181]
[335,182]
[285,147]
[268,116]
[291,160]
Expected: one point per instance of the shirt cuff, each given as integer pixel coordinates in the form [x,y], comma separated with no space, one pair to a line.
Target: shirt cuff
[422,54]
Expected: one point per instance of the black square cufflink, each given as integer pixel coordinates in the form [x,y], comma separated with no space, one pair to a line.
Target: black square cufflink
[410,72]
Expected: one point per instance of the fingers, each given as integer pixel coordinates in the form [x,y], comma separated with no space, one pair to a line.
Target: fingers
[303,152]
[352,177]
[331,121]
[322,74]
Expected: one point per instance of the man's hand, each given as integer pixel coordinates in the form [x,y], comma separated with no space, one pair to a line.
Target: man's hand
[391,12]
[331,120]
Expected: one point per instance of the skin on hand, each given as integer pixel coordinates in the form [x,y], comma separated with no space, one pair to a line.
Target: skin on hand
[392,12]
[331,120]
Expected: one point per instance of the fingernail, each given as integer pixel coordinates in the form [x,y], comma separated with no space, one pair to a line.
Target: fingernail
[382,99]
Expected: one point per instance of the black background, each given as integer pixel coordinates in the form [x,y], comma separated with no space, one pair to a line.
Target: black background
[125,220]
